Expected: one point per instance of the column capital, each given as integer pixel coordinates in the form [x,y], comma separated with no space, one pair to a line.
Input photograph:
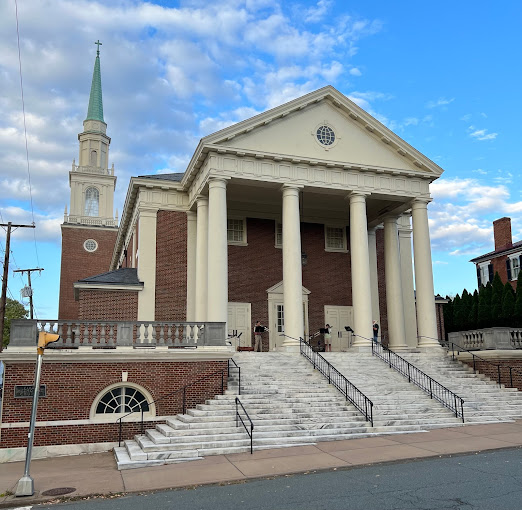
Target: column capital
[218,181]
[357,193]
[201,200]
[148,212]
[192,216]
[290,186]
[421,202]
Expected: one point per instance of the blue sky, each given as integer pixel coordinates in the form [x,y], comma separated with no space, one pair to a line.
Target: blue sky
[445,76]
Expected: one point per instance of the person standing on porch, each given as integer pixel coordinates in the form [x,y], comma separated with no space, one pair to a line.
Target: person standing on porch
[258,338]
[328,338]
[375,328]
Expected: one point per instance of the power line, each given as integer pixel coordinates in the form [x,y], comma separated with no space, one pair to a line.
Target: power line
[25,131]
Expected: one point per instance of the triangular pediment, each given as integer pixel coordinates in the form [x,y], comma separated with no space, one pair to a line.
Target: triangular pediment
[278,289]
[290,131]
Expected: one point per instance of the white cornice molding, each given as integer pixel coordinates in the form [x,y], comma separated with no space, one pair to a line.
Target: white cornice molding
[107,286]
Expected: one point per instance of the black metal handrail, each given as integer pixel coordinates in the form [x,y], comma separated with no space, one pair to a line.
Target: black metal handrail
[350,392]
[235,367]
[183,389]
[511,369]
[238,417]
[433,388]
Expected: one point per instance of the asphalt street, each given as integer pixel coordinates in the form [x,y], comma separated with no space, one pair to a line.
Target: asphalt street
[484,481]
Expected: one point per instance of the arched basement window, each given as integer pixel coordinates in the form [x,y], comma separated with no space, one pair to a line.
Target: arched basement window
[121,399]
[92,201]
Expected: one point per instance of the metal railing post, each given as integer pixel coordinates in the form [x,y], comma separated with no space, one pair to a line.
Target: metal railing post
[409,377]
[119,436]
[474,369]
[142,426]
[184,399]
[431,391]
[239,381]
[511,377]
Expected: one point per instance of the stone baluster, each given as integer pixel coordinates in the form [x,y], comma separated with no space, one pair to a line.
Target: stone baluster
[68,336]
[169,334]
[161,340]
[102,334]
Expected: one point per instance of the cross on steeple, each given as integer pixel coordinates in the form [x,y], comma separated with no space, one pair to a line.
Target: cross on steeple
[98,50]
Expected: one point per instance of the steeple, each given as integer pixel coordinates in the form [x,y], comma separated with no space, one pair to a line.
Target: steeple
[92,181]
[95,110]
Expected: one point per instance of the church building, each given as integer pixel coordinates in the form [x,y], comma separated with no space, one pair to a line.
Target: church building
[297,217]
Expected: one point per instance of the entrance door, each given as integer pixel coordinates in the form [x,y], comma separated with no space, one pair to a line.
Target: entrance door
[338,317]
[239,322]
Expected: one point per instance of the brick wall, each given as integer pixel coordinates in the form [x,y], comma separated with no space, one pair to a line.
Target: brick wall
[171,266]
[108,305]
[77,263]
[499,265]
[439,311]
[491,371]
[258,266]
[72,388]
[382,285]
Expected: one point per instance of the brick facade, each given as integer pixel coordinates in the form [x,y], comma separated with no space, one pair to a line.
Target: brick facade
[73,387]
[171,266]
[381,283]
[254,268]
[77,263]
[107,305]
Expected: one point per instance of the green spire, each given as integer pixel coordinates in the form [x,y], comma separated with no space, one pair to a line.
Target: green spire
[95,111]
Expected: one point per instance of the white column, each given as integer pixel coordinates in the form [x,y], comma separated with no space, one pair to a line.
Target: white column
[360,260]
[392,269]
[201,259]
[408,295]
[147,264]
[217,303]
[292,269]
[374,277]
[191,265]
[426,319]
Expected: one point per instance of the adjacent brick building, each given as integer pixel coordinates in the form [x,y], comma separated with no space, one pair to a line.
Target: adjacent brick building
[506,259]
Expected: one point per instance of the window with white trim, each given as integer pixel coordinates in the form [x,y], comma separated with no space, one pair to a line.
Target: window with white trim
[514,261]
[484,272]
[335,238]
[278,235]
[236,231]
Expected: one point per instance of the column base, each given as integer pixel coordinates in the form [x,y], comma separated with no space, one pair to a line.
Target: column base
[360,348]
[362,342]
[290,348]
[25,486]
[399,348]
[431,349]
[428,343]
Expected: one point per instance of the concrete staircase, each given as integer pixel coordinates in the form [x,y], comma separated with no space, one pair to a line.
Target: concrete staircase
[396,402]
[291,404]
[484,399]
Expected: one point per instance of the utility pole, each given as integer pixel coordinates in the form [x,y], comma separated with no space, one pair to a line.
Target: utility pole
[29,271]
[6,272]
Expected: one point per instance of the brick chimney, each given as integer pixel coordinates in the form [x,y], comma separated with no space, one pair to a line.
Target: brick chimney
[502,233]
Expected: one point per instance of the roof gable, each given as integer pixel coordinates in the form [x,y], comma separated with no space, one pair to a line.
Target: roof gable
[290,130]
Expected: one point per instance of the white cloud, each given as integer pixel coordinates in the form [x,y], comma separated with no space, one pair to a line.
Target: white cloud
[481,134]
[317,13]
[440,102]
[355,71]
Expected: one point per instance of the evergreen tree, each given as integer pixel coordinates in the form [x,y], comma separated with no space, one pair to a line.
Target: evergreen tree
[496,301]
[447,311]
[508,305]
[473,314]
[457,307]
[518,302]
[484,307]
[489,295]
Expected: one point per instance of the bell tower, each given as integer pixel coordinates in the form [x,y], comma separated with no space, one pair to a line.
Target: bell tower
[89,229]
[92,182]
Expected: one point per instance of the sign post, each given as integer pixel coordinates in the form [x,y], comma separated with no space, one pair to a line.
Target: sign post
[25,485]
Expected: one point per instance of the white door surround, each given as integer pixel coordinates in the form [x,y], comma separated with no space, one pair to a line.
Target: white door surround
[239,321]
[275,305]
[338,317]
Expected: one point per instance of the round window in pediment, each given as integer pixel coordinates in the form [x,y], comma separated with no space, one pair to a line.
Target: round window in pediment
[325,135]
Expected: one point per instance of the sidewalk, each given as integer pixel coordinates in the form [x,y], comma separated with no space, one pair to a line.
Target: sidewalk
[96,474]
